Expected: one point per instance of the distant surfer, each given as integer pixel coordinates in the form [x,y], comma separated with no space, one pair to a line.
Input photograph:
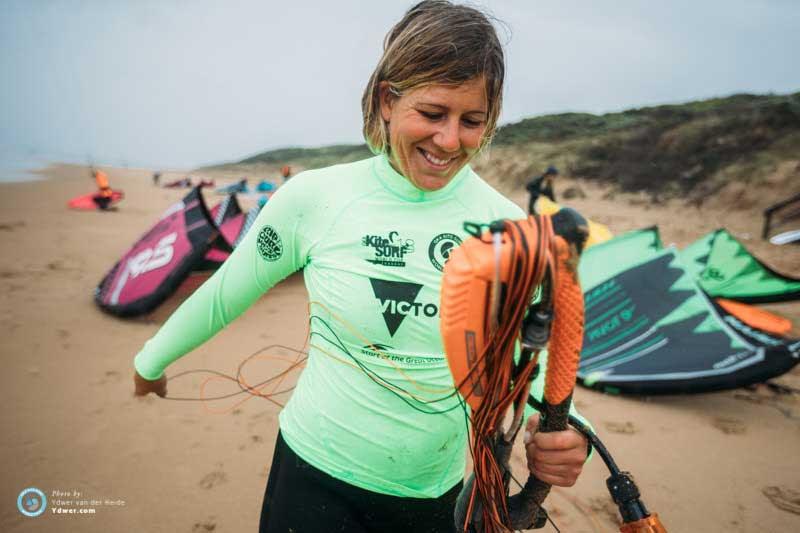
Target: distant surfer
[286,173]
[104,193]
[541,186]
[373,438]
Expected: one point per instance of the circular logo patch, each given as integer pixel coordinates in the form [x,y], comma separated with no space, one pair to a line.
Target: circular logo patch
[269,244]
[440,248]
[31,502]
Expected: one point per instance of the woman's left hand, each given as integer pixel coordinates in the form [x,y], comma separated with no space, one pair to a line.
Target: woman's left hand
[556,458]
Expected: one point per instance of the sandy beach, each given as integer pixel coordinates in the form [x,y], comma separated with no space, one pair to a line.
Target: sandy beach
[72,428]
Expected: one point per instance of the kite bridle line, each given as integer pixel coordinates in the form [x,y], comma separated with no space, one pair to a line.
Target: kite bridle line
[479,337]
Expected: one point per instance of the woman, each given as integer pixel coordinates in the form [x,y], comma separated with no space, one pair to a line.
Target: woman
[370,440]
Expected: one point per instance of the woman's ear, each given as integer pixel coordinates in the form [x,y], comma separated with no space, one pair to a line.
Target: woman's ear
[386,99]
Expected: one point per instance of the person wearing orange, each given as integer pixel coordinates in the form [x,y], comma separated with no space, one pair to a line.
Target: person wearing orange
[286,173]
[104,192]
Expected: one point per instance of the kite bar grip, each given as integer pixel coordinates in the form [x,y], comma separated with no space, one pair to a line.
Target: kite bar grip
[525,507]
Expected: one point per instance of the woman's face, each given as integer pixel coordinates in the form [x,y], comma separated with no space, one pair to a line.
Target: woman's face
[435,130]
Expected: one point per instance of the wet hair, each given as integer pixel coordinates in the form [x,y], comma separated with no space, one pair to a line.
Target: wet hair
[436,42]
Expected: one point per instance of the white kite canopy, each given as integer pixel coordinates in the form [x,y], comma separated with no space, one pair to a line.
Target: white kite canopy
[784,215]
[787,237]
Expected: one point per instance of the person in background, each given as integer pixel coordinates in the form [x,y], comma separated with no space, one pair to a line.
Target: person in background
[286,172]
[156,178]
[103,196]
[541,186]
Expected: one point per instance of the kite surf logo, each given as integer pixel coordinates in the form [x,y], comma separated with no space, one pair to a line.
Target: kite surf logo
[399,300]
[389,251]
[440,248]
[31,502]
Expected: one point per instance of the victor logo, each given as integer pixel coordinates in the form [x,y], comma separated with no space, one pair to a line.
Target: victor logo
[390,250]
[398,300]
[440,248]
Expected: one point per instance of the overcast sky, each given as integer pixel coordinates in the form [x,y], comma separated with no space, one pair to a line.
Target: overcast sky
[185,83]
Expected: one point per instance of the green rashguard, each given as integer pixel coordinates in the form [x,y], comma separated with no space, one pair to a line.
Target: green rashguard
[372,248]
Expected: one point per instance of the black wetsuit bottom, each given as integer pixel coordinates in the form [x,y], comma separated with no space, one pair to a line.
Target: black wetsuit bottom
[302,499]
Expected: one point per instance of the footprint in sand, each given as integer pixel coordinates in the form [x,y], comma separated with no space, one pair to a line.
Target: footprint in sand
[604,506]
[10,226]
[213,479]
[205,526]
[624,428]
[108,375]
[729,426]
[783,498]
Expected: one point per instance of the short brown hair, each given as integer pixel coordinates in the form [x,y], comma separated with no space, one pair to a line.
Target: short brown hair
[436,42]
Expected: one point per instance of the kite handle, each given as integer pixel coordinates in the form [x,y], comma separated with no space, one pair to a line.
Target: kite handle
[565,345]
[525,507]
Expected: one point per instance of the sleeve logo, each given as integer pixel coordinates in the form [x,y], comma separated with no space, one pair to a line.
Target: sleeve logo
[269,244]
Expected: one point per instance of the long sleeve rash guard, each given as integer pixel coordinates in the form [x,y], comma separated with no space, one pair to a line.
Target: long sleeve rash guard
[374,406]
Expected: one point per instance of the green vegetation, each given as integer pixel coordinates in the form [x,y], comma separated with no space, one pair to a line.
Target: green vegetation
[312,157]
[691,148]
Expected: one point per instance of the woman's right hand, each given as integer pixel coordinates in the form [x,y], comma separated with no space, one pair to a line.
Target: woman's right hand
[146,386]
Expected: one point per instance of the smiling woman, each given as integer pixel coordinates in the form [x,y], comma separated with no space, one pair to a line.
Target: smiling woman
[435,96]
[434,130]
[374,437]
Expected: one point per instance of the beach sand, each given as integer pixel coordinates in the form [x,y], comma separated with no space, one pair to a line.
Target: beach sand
[72,428]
